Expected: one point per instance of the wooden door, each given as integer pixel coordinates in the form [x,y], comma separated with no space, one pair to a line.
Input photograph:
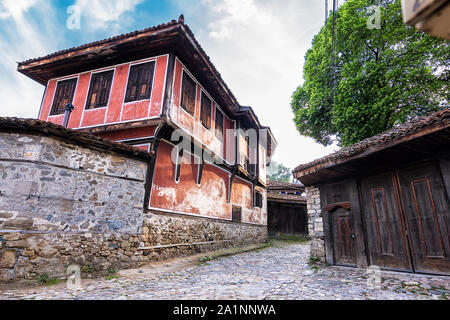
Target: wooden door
[343,237]
[386,236]
[427,211]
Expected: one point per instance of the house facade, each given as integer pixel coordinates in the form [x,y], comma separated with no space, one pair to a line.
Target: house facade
[384,201]
[144,89]
[140,153]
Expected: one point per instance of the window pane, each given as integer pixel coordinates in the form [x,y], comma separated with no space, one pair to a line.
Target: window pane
[140,82]
[219,124]
[99,89]
[205,111]
[188,94]
[63,95]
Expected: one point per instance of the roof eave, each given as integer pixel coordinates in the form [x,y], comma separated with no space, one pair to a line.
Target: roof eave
[316,169]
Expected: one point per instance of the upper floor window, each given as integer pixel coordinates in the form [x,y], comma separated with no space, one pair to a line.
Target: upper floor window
[65,91]
[140,82]
[219,124]
[99,89]
[205,112]
[188,94]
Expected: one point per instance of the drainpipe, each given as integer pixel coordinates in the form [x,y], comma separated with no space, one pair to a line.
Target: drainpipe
[67,111]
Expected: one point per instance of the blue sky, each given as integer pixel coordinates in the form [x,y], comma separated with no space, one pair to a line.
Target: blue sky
[257,45]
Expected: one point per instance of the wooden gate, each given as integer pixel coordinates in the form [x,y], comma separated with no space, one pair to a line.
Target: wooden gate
[386,236]
[407,219]
[427,212]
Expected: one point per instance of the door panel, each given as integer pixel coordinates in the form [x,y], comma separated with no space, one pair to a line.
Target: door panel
[386,239]
[427,212]
[343,237]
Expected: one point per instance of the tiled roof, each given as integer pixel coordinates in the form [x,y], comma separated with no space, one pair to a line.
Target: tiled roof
[99,42]
[273,196]
[58,131]
[284,185]
[396,133]
[135,33]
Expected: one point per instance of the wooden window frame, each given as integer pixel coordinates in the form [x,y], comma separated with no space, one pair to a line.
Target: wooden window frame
[57,109]
[138,83]
[221,138]
[236,217]
[202,120]
[102,91]
[258,199]
[185,78]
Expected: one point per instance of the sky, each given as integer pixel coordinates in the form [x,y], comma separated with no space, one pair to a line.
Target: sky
[258,46]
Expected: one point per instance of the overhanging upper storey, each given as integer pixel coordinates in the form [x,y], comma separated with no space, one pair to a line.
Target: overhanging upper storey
[127,87]
[174,38]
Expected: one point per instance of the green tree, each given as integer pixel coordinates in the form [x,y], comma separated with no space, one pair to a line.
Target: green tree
[382,77]
[277,172]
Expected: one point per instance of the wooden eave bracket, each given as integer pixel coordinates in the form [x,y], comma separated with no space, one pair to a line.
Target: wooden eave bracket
[333,206]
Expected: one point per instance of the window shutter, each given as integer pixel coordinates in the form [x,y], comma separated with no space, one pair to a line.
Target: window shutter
[140,82]
[188,94]
[64,94]
[205,111]
[99,90]
[219,124]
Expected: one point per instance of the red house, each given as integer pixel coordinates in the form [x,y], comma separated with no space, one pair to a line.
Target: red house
[139,88]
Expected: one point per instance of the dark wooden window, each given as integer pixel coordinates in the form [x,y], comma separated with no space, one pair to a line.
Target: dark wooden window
[236,214]
[140,82]
[63,95]
[188,94]
[205,111]
[258,199]
[99,89]
[219,124]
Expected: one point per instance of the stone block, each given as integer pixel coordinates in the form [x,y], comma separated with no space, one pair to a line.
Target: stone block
[7,259]
[18,224]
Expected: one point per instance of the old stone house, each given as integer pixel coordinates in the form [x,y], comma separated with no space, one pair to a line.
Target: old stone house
[286,208]
[384,201]
[108,190]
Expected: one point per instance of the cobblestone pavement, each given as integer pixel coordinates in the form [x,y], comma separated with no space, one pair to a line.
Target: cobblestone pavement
[282,271]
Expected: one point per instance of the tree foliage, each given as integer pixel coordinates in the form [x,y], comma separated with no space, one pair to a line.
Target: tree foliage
[383,77]
[278,172]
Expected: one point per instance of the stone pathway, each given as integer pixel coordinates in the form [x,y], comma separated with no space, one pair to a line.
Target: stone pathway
[279,272]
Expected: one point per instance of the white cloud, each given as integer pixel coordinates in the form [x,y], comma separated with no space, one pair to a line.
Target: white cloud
[105,14]
[26,30]
[14,8]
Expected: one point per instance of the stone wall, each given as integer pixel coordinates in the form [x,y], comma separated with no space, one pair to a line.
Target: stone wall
[315,222]
[63,204]
[28,255]
[49,185]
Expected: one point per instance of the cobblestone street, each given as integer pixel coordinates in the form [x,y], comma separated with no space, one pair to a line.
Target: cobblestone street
[282,271]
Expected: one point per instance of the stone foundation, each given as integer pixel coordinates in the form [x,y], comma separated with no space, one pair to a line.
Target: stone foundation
[28,255]
[315,223]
